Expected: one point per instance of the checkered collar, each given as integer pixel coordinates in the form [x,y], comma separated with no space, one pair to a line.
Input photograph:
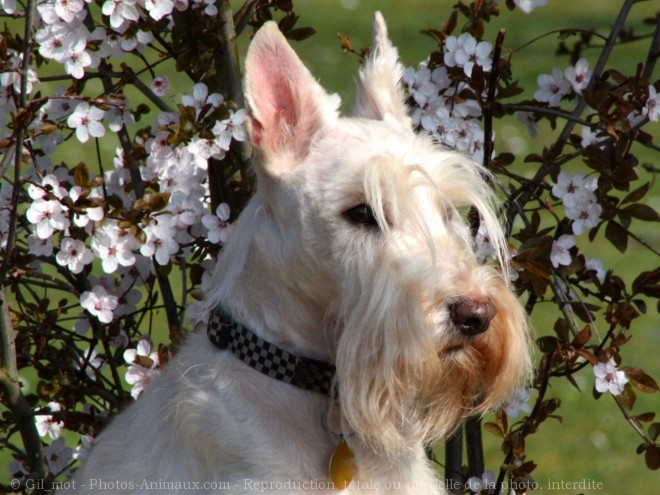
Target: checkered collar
[267,358]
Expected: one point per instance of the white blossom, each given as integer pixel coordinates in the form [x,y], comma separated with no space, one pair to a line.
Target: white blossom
[67,9]
[552,87]
[560,254]
[527,6]
[142,366]
[208,148]
[580,202]
[39,246]
[484,485]
[420,86]
[518,403]
[93,213]
[207,6]
[596,265]
[49,184]
[160,85]
[158,8]
[84,448]
[585,214]
[8,6]
[609,378]
[569,186]
[47,216]
[74,255]
[12,73]
[86,120]
[579,75]
[118,117]
[160,242]
[58,456]
[90,362]
[652,107]
[465,52]
[201,97]
[186,211]
[230,128]
[218,225]
[47,425]
[120,12]
[589,137]
[99,303]
[113,246]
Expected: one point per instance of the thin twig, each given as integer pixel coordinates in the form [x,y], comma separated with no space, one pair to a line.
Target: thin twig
[490,99]
[654,52]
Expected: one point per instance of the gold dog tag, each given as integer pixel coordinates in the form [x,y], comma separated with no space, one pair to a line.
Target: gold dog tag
[342,466]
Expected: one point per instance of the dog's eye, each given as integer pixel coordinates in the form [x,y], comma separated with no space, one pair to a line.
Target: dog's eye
[361,215]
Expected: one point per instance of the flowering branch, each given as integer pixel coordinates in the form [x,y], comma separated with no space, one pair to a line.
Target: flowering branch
[599,67]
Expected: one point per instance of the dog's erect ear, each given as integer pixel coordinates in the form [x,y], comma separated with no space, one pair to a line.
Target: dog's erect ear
[287,106]
[379,88]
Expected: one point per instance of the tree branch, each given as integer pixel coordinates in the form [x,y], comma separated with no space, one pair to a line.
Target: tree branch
[19,407]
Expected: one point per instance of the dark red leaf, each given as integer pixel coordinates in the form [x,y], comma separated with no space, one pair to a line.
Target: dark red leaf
[654,431]
[652,456]
[642,212]
[617,235]
[645,417]
[641,380]
[548,344]
[582,337]
[299,34]
[637,194]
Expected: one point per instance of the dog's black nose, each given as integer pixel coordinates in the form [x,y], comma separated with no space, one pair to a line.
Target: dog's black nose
[471,316]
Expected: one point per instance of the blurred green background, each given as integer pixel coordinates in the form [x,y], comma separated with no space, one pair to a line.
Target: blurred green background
[594,441]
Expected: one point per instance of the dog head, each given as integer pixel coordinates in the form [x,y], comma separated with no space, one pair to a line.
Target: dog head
[357,246]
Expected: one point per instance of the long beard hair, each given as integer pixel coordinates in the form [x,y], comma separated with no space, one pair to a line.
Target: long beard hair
[396,388]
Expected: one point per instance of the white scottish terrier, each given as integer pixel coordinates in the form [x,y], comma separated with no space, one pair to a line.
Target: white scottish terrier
[351,323]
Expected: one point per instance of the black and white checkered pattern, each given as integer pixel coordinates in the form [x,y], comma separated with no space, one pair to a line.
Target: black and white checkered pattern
[267,358]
